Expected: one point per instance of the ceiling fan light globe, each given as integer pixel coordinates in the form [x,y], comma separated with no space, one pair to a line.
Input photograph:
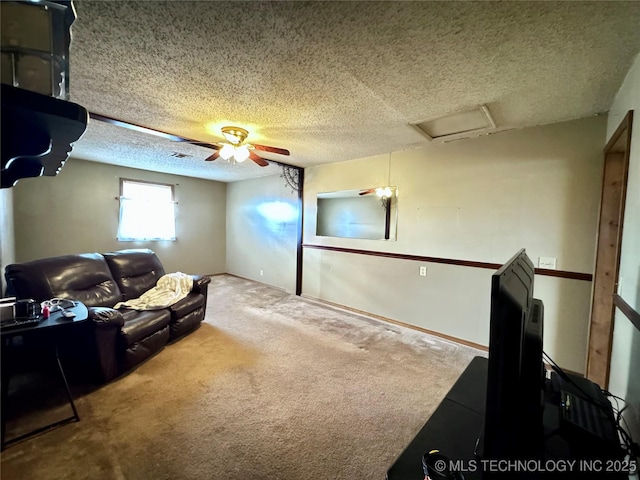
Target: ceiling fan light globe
[242,153]
[227,151]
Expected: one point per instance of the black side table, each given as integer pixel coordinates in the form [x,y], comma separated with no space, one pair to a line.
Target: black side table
[54,326]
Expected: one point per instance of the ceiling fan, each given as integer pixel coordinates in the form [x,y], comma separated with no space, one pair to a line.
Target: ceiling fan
[234,149]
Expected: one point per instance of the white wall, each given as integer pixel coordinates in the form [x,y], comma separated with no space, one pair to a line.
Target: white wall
[479,200]
[625,357]
[7,239]
[262,219]
[77,211]
[628,98]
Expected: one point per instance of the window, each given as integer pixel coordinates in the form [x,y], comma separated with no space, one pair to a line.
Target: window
[147,211]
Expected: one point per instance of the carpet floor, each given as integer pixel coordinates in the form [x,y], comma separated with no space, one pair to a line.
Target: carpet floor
[271,386]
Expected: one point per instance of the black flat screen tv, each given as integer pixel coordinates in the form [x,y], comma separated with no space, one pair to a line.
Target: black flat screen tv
[515,379]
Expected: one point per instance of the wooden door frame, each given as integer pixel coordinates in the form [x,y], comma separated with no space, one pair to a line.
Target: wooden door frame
[607,267]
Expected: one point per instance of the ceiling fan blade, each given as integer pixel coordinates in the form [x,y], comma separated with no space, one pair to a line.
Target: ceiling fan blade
[138,128]
[212,157]
[264,148]
[367,192]
[200,144]
[259,160]
[150,131]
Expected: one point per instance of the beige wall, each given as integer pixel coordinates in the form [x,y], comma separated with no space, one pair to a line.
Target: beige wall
[625,356]
[262,217]
[77,212]
[481,200]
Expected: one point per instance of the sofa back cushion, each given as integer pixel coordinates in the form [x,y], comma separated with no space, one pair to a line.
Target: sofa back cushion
[134,270]
[85,277]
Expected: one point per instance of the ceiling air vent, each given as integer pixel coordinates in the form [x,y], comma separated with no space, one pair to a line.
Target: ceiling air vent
[463,124]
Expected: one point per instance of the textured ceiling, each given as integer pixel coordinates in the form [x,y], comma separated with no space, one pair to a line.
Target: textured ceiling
[333,81]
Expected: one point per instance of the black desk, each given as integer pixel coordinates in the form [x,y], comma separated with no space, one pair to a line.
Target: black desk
[52,328]
[453,428]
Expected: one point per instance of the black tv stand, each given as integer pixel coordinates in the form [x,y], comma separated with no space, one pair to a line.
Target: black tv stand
[457,423]
[453,428]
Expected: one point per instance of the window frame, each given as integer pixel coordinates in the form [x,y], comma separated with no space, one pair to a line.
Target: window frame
[145,182]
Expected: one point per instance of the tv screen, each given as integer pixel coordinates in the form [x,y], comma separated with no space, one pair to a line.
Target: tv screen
[515,380]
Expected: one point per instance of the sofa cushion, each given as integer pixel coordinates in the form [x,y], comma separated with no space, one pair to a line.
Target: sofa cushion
[138,325]
[84,277]
[186,305]
[134,270]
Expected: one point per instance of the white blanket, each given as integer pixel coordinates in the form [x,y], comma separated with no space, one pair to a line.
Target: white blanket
[170,289]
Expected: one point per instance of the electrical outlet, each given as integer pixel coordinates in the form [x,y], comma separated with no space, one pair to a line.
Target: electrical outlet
[547,262]
[423,271]
[261,272]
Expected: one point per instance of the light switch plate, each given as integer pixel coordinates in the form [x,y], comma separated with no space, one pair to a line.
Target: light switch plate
[547,262]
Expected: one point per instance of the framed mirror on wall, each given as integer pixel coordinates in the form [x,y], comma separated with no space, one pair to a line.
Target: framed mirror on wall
[370,214]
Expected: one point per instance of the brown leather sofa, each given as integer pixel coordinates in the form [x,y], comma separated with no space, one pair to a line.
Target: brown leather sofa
[112,341]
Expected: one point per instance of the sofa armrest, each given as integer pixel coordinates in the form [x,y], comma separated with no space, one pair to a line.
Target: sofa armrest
[200,283]
[106,317]
[105,325]
[201,286]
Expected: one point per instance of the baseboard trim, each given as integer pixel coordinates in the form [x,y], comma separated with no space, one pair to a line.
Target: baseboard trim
[399,323]
[338,306]
[282,289]
[457,340]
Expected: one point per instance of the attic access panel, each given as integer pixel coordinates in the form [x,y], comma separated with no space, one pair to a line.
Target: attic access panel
[465,123]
